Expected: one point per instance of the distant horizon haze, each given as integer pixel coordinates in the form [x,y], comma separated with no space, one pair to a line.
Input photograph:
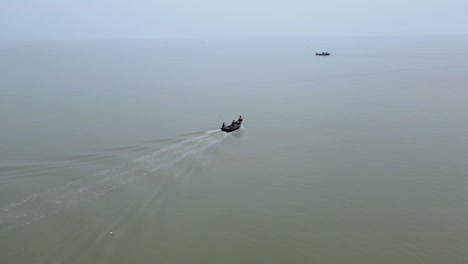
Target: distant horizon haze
[208,19]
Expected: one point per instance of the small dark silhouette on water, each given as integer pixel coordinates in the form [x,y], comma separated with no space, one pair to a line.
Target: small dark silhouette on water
[322,54]
[233,126]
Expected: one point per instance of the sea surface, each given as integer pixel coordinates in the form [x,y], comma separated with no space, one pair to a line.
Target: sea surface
[358,157]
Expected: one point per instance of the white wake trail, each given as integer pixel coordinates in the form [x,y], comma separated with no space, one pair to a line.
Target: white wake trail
[39,206]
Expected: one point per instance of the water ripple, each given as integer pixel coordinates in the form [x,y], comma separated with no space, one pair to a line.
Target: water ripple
[55,199]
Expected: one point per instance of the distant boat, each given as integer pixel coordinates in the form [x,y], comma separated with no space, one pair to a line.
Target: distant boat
[232,127]
[322,54]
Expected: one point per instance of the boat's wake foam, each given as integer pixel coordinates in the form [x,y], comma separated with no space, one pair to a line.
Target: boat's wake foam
[41,205]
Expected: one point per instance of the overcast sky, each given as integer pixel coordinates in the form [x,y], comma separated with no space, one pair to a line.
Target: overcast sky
[122,19]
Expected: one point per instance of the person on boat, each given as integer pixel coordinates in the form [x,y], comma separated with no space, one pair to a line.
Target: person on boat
[223,125]
[239,119]
[233,122]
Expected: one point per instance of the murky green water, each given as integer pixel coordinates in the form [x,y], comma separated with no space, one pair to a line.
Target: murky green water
[359,157]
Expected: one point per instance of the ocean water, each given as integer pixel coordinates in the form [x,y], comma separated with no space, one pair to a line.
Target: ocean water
[359,157]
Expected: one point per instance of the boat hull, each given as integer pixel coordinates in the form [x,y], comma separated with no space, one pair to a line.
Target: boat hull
[231,128]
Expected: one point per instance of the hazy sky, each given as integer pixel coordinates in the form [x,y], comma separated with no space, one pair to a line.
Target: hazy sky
[96,19]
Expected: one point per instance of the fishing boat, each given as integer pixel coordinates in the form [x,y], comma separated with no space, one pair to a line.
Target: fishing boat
[322,54]
[232,127]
